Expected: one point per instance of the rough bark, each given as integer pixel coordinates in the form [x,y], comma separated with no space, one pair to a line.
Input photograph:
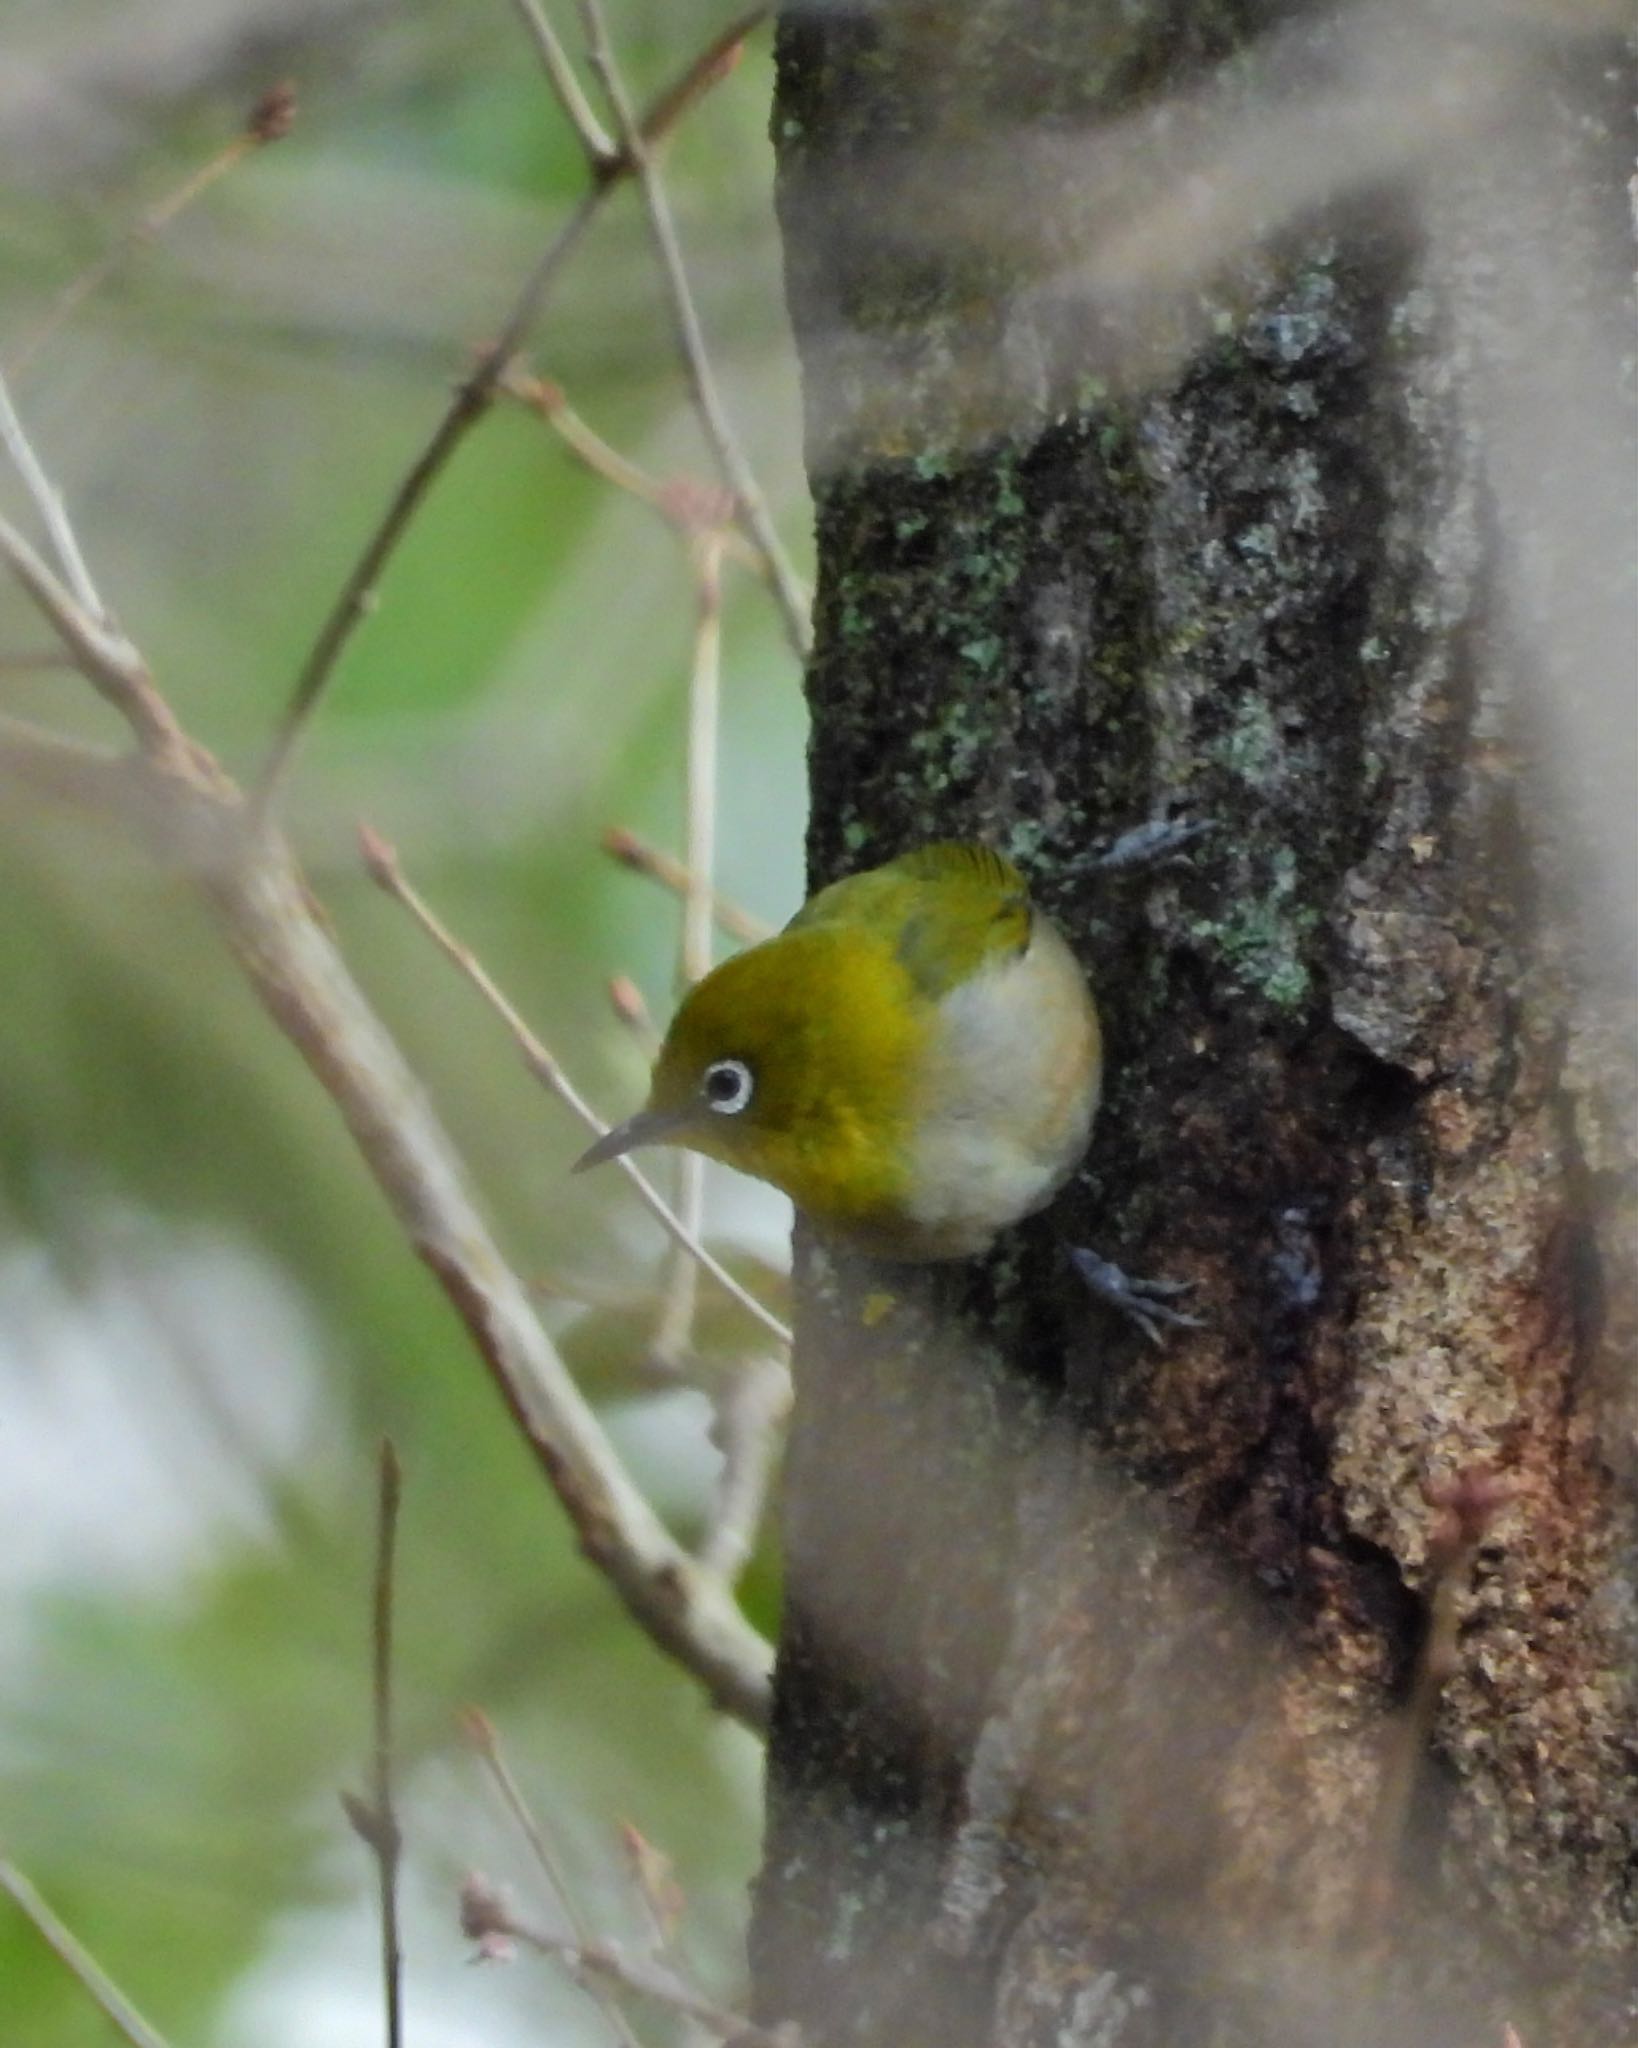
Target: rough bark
[1101,1711]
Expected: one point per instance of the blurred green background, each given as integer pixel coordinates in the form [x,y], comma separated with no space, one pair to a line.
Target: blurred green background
[206,1317]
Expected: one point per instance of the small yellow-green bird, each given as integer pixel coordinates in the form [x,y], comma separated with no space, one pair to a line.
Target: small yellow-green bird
[914,1060]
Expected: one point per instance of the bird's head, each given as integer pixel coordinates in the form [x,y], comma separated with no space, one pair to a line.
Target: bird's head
[796,1062]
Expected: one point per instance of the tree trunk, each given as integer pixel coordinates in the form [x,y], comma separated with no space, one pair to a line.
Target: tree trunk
[1220,415]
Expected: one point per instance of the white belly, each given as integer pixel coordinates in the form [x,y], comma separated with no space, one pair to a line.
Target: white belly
[1006,1099]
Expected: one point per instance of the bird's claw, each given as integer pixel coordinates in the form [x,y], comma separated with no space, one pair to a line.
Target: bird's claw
[1146,1302]
[1155,840]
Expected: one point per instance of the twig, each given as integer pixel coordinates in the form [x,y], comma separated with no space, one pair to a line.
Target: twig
[674,1328]
[472,398]
[27,661]
[181,803]
[268,917]
[751,1410]
[94,1979]
[596,144]
[700,796]
[382,863]
[719,431]
[481,1733]
[386,1838]
[679,1289]
[63,770]
[653,1880]
[626,1001]
[270,121]
[110,788]
[486,1919]
[102,655]
[709,68]
[47,501]
[684,505]
[644,859]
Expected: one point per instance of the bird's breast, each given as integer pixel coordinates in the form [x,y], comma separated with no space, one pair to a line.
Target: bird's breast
[1005,1098]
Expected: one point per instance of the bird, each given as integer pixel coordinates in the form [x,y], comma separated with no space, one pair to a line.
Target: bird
[915,1060]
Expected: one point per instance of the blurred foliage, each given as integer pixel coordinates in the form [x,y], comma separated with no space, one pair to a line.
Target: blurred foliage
[183,1646]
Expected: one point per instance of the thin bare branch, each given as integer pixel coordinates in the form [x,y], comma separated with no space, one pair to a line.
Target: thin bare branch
[111,789]
[94,1979]
[750,1417]
[674,1329]
[375,1819]
[484,1738]
[719,430]
[270,121]
[684,505]
[382,863]
[388,1840]
[644,859]
[595,141]
[486,1919]
[267,915]
[655,1884]
[700,794]
[472,399]
[709,68]
[47,501]
[33,660]
[679,1289]
[64,768]
[481,1732]
[187,807]
[102,655]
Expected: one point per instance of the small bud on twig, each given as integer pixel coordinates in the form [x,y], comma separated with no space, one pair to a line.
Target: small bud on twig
[380,858]
[274,114]
[377,1831]
[696,506]
[478,1729]
[486,1920]
[652,1870]
[626,1001]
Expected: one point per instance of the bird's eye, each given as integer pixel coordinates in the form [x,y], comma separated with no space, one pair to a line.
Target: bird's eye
[729,1085]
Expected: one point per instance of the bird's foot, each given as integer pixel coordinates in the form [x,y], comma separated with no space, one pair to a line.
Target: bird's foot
[1147,1302]
[1155,840]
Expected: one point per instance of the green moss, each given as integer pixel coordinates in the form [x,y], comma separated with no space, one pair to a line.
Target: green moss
[1025,840]
[1263,937]
[1252,749]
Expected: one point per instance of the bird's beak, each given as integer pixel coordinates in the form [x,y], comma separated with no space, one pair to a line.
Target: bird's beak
[647,1127]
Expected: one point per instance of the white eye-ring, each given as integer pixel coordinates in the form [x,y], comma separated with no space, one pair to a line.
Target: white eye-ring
[729,1086]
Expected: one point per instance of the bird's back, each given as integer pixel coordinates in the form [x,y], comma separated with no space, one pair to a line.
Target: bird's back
[953,908]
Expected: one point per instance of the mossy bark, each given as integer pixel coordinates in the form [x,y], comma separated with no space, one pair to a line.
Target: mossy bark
[1096,1710]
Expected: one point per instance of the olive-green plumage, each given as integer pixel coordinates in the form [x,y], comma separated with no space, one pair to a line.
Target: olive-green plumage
[914,1060]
